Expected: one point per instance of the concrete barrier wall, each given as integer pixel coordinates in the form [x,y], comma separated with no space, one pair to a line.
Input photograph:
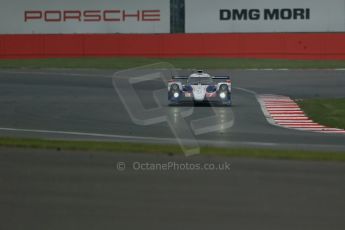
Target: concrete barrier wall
[248,45]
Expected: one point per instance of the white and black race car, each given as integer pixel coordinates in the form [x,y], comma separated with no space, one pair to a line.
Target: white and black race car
[200,87]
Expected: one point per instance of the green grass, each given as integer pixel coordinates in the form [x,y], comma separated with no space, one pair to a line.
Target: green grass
[205,63]
[329,112]
[170,149]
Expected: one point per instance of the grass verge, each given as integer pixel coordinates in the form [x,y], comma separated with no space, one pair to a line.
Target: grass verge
[329,112]
[206,63]
[170,149]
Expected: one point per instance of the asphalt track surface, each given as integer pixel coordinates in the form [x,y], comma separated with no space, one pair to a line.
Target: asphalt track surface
[78,104]
[41,189]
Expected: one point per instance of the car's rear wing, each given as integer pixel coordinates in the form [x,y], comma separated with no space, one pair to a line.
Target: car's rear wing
[221,77]
[214,77]
[179,77]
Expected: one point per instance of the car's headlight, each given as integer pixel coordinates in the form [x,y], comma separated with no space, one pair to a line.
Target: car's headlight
[222,95]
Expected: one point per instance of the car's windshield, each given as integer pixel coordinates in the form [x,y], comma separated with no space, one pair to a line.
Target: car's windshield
[199,80]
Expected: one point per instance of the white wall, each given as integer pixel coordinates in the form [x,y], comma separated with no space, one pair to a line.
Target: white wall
[203,16]
[90,17]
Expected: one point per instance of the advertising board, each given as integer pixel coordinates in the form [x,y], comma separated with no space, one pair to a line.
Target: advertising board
[87,16]
[231,16]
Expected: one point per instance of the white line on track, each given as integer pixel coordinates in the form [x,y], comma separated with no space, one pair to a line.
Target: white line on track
[78,133]
[138,138]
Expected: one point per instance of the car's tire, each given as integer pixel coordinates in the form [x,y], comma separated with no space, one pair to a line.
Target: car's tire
[227,104]
[171,103]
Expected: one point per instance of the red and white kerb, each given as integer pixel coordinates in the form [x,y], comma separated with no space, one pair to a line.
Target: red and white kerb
[283,111]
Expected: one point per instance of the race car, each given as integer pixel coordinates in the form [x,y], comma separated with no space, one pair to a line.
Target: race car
[200,87]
